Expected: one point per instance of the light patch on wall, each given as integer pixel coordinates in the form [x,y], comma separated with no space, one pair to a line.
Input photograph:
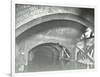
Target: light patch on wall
[53,37]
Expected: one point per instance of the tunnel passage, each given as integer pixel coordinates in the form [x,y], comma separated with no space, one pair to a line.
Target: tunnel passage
[36,25]
[45,57]
[62,31]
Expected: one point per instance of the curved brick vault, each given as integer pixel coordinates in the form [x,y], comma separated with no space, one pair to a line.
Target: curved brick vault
[26,41]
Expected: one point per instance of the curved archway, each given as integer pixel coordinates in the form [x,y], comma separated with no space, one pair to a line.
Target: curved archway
[50,45]
[43,57]
[76,28]
[61,16]
[30,36]
[34,26]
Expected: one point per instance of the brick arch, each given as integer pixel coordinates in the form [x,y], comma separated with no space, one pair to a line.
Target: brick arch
[49,44]
[54,46]
[61,16]
[53,53]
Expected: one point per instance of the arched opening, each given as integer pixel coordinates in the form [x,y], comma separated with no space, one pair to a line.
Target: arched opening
[33,36]
[57,16]
[44,57]
[60,28]
[65,32]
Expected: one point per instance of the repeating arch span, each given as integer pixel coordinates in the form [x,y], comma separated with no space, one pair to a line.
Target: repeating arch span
[52,45]
[63,16]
